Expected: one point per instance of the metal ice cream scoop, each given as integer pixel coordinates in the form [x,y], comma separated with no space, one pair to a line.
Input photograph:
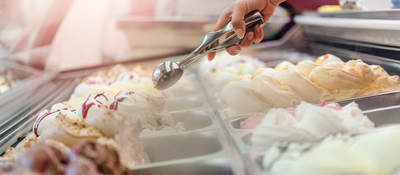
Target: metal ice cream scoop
[169,72]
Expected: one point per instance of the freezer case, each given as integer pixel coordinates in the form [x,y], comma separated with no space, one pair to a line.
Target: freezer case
[213,143]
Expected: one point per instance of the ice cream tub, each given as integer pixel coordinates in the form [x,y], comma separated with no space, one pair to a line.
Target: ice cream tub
[184,103]
[214,165]
[235,123]
[377,101]
[194,119]
[192,153]
[176,148]
[385,116]
[17,84]
[292,157]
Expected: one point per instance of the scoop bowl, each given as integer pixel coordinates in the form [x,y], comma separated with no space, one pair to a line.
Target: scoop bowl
[166,74]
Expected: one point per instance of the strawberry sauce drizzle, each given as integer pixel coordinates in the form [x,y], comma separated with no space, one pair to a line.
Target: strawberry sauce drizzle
[86,107]
[36,125]
[100,95]
[114,104]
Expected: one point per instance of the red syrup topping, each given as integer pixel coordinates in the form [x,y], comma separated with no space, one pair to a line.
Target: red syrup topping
[86,107]
[114,104]
[100,95]
[36,125]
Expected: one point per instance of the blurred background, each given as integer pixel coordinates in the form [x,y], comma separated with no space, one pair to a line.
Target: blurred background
[72,34]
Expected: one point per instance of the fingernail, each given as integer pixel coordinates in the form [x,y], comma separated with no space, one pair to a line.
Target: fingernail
[240,33]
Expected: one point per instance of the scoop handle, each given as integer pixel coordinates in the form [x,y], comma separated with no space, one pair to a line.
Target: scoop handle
[213,41]
[254,18]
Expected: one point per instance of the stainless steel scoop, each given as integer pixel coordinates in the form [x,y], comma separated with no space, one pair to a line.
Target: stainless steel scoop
[169,72]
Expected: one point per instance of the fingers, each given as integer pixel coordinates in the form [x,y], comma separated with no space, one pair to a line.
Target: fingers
[211,56]
[258,34]
[248,40]
[234,50]
[236,13]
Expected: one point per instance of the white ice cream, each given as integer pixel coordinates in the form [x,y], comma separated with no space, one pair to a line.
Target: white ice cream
[308,122]
[373,153]
[226,67]
[91,85]
[64,125]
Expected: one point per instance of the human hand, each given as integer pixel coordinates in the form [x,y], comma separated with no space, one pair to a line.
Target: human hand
[236,13]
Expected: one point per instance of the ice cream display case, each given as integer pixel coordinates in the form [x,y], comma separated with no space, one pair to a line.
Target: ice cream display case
[17,83]
[274,109]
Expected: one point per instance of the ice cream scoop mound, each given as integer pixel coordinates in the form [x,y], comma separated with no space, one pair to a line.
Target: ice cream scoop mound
[306,122]
[65,130]
[306,89]
[47,117]
[96,112]
[238,91]
[273,92]
[91,85]
[305,67]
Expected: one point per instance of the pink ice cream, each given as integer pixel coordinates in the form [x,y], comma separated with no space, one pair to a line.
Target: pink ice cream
[255,120]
